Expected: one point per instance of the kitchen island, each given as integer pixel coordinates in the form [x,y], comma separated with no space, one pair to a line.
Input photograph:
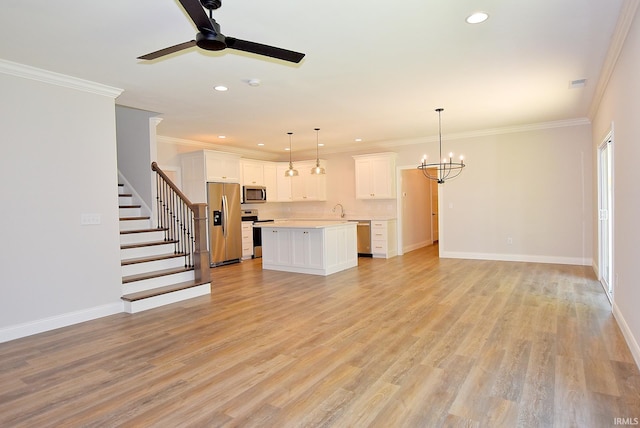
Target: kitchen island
[317,247]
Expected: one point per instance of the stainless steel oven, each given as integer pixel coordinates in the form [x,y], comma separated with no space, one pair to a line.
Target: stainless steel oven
[252,215]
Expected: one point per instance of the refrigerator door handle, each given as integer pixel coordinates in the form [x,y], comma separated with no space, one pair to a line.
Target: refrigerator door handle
[225,215]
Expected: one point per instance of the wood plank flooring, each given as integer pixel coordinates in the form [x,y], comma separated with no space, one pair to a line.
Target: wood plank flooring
[411,341]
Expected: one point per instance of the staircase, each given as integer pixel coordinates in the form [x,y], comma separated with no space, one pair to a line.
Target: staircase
[153,273]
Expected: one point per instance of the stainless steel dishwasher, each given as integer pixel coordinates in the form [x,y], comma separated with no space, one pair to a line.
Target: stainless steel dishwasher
[364,238]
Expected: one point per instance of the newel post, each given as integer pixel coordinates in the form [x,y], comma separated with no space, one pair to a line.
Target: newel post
[200,254]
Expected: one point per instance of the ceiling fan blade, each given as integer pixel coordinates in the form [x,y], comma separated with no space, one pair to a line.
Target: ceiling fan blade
[198,15]
[260,49]
[167,51]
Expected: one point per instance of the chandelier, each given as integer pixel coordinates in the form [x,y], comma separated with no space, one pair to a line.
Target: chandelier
[445,169]
[290,172]
[317,170]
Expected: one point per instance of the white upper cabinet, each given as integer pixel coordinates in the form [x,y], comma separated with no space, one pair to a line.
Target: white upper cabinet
[306,186]
[271,180]
[252,172]
[375,176]
[222,167]
[206,165]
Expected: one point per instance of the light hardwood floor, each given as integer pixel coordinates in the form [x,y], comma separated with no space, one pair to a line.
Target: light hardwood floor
[411,341]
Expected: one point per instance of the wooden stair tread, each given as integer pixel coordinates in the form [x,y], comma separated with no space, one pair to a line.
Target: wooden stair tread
[129,206]
[126,232]
[161,290]
[134,218]
[136,260]
[146,244]
[125,195]
[154,274]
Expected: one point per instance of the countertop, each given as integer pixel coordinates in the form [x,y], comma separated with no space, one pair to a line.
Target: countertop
[304,224]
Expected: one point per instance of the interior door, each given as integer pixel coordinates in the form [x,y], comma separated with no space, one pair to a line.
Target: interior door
[605,227]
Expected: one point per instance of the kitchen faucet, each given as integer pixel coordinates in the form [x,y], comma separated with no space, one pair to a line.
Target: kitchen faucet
[341,210]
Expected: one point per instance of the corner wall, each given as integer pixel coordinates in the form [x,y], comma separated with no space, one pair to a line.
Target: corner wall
[58,163]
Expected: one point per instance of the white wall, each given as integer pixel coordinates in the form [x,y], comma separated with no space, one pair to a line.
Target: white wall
[620,107]
[136,142]
[531,186]
[58,161]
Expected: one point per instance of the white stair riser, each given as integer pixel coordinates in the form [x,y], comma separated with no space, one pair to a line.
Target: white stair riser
[165,299]
[125,200]
[135,238]
[152,266]
[134,224]
[154,250]
[129,212]
[161,281]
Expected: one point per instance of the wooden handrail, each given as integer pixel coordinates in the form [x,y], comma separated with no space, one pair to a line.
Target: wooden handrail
[156,168]
[184,222]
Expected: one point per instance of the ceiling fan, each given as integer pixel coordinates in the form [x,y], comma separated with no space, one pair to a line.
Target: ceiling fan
[210,37]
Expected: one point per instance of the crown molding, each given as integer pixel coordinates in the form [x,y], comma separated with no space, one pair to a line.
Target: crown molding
[45,76]
[625,19]
[253,154]
[494,131]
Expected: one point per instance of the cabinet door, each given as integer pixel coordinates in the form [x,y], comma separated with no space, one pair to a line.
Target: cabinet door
[222,168]
[252,173]
[382,179]
[271,181]
[306,248]
[364,172]
[307,186]
[276,246]
[283,184]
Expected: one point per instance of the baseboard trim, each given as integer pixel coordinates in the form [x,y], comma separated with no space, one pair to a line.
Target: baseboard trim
[628,335]
[517,258]
[64,320]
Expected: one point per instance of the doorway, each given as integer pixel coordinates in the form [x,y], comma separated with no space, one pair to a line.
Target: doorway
[418,227]
[605,215]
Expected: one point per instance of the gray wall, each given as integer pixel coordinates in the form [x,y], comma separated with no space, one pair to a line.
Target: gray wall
[58,163]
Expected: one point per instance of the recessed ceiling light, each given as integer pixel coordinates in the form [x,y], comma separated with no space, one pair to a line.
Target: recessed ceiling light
[261,144]
[220,88]
[321,144]
[477,17]
[222,137]
[253,82]
[358,139]
[287,149]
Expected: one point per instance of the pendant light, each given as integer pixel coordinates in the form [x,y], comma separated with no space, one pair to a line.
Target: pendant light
[290,172]
[317,170]
[445,169]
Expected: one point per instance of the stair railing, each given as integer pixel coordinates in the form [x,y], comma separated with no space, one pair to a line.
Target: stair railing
[184,223]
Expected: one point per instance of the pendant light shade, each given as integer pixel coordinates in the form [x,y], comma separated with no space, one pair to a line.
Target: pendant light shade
[290,172]
[317,170]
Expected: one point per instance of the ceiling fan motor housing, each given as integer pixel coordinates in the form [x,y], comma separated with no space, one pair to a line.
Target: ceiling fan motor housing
[211,41]
[211,4]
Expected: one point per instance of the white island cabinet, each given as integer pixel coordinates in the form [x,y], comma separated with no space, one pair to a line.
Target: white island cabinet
[313,247]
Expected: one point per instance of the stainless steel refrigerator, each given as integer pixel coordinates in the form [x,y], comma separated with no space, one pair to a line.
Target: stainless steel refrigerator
[225,239]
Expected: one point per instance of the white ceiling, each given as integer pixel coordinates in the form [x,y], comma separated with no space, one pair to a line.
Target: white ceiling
[373,70]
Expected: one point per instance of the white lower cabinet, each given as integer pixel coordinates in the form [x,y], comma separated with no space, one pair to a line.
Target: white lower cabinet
[383,238]
[317,251]
[247,239]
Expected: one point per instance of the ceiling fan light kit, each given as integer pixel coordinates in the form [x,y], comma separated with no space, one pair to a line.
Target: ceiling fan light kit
[445,169]
[210,38]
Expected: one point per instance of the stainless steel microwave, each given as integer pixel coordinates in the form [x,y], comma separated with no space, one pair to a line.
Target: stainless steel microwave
[254,194]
